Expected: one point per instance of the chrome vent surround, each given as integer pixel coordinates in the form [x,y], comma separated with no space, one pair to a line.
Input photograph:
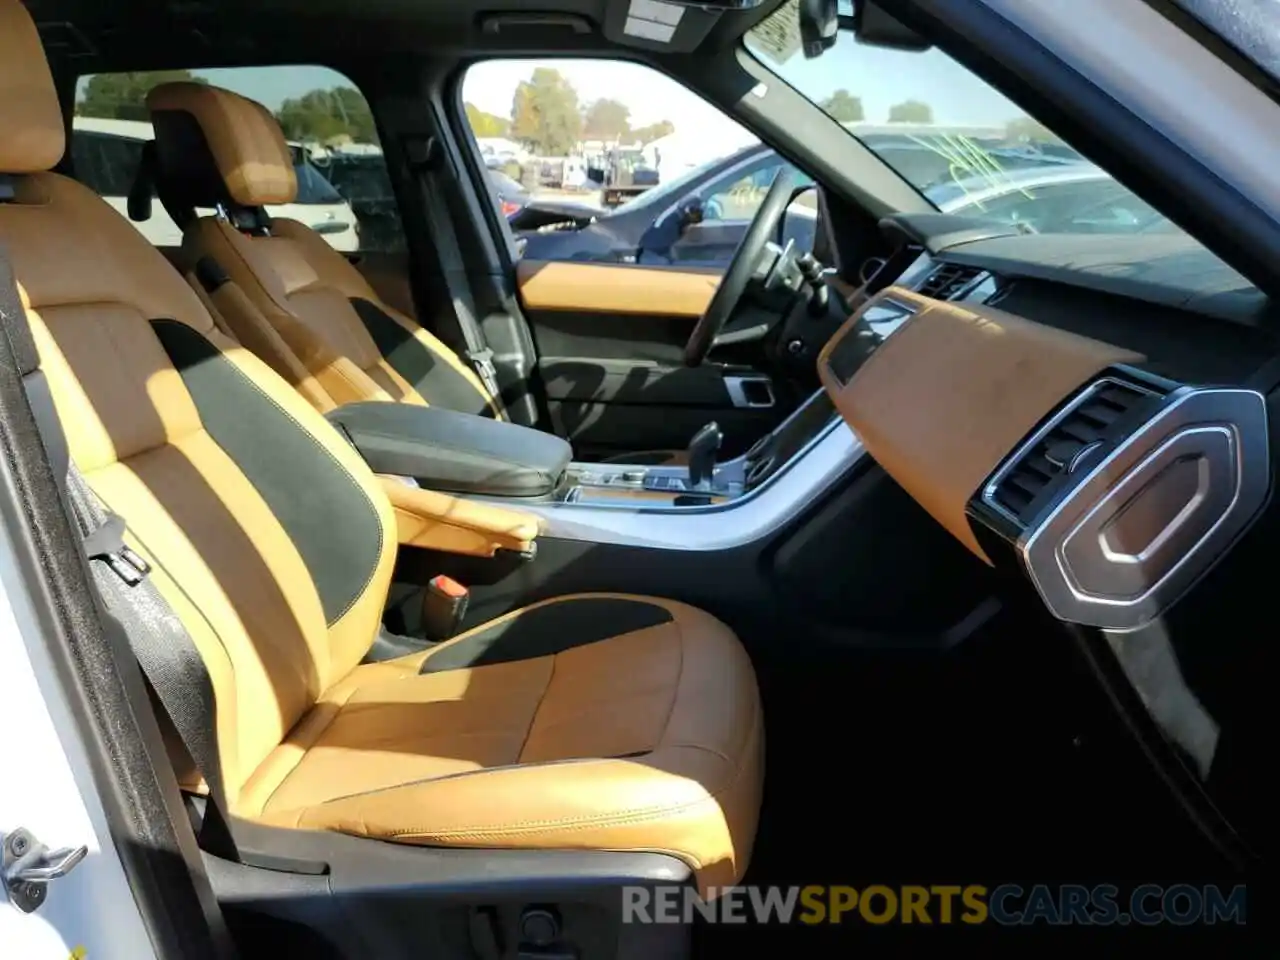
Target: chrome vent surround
[1060,447]
[1136,528]
[949,281]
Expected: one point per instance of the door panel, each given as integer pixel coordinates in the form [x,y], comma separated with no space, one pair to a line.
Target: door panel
[609,289]
[611,358]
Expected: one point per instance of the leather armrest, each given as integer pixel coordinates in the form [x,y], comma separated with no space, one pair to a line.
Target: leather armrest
[437,521]
[454,452]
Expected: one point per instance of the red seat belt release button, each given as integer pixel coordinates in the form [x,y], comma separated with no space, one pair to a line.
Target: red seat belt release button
[444,604]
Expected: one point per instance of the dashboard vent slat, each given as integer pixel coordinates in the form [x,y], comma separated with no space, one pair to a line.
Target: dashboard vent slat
[948,280]
[1026,482]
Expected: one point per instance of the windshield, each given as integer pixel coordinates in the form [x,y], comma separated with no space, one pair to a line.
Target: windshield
[969,150]
[313,188]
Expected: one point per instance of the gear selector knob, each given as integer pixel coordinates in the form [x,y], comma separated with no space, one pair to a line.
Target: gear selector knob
[702,453]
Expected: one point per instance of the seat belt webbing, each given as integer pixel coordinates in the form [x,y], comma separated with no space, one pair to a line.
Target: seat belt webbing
[425,158]
[159,642]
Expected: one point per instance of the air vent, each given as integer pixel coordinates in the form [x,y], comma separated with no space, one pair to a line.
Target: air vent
[948,280]
[1063,447]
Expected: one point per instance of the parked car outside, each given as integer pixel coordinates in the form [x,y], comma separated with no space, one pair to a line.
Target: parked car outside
[699,218]
[696,219]
[363,180]
[105,154]
[1076,197]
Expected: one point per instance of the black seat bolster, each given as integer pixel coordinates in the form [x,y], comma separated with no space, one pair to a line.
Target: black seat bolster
[454,452]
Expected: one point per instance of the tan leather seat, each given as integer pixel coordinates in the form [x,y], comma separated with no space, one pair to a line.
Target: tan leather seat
[326,323]
[599,722]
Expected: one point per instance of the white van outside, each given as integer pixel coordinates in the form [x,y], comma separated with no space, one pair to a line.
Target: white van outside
[106,154]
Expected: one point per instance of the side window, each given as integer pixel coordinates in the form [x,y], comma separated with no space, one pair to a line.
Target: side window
[344,191]
[605,161]
[738,196]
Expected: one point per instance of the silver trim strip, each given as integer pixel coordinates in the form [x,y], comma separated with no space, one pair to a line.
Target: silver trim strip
[1224,431]
[757,514]
[1011,463]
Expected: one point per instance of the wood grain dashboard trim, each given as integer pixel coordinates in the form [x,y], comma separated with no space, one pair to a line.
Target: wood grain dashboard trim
[953,391]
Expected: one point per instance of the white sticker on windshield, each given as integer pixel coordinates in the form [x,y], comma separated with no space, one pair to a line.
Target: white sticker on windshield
[668,13]
[778,35]
[648,30]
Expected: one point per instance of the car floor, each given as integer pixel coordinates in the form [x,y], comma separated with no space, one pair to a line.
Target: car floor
[997,762]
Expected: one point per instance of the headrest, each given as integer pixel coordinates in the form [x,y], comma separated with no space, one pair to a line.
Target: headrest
[221,145]
[32,137]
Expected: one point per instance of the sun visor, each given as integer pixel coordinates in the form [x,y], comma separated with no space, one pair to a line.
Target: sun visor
[657,25]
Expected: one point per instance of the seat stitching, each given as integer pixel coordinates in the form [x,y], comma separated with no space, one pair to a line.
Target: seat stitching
[359,594]
[307,749]
[638,815]
[551,676]
[675,688]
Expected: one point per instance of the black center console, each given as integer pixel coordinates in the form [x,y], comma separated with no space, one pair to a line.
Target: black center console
[464,454]
[674,485]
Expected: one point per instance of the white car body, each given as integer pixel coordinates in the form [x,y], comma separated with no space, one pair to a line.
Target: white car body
[105,153]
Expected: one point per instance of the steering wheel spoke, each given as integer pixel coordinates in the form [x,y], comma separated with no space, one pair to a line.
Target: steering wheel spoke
[741,270]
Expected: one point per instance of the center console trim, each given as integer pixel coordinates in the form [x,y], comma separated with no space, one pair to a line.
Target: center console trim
[815,469]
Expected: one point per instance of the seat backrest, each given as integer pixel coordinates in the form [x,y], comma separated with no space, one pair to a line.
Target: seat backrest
[266,532]
[229,154]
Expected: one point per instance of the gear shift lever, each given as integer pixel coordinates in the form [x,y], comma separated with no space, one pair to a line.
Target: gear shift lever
[702,453]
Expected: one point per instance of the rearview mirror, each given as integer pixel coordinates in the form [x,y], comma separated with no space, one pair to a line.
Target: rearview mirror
[819,26]
[873,26]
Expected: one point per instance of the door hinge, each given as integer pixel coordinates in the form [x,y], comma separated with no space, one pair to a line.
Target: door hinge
[28,866]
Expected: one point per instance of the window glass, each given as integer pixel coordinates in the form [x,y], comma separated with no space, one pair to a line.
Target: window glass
[326,120]
[969,150]
[595,159]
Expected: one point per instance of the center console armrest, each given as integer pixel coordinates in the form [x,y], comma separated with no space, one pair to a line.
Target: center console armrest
[437,521]
[454,452]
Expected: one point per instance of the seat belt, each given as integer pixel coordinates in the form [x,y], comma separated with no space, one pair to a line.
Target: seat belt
[426,159]
[161,645]
[159,642]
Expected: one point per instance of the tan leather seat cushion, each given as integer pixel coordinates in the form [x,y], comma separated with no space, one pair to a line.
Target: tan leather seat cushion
[652,740]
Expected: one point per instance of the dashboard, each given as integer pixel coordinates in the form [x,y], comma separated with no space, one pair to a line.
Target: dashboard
[1096,415]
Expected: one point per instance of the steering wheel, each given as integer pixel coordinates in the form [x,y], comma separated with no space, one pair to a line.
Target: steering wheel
[743,266]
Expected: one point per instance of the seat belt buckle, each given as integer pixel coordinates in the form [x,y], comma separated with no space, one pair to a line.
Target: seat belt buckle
[107,544]
[444,604]
[482,358]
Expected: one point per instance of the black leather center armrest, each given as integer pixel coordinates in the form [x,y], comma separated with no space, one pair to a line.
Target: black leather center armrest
[454,452]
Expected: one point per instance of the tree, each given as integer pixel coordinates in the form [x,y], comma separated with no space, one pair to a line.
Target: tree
[654,131]
[911,111]
[486,124]
[545,114]
[606,120]
[843,106]
[123,96]
[326,115]
[1030,130]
